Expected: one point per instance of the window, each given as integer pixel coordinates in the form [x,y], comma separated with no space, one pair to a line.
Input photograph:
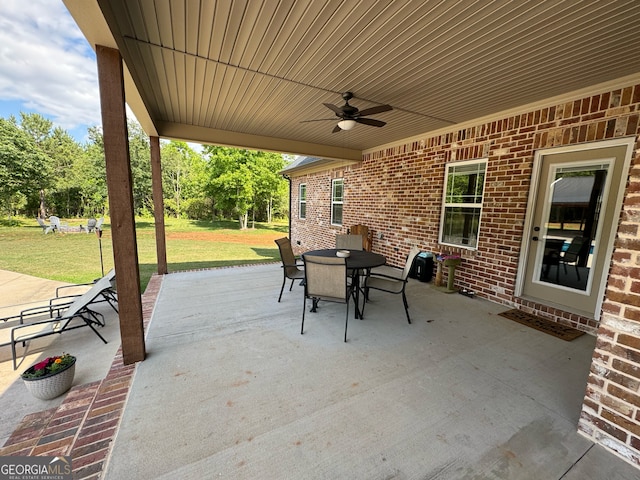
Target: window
[302,200]
[464,188]
[337,196]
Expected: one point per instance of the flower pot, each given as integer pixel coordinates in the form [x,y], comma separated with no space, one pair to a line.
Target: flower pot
[51,385]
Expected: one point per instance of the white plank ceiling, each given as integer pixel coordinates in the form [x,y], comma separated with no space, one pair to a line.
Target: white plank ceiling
[248,72]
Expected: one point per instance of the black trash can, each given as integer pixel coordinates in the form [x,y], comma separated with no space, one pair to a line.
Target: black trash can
[422,267]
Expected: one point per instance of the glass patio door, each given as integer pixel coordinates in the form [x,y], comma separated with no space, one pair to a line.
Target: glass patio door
[572,222]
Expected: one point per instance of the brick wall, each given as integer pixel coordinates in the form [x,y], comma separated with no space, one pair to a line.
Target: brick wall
[611,410]
[397,192]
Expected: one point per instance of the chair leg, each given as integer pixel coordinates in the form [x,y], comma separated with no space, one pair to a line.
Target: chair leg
[304,308]
[364,302]
[577,271]
[13,354]
[284,280]
[346,322]
[291,286]
[406,306]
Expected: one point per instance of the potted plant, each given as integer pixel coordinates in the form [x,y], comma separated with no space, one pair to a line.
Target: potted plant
[51,377]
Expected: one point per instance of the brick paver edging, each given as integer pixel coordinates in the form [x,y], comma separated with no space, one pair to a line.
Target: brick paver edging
[86,422]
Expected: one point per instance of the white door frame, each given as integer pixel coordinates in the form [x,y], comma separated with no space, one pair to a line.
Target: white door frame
[608,241]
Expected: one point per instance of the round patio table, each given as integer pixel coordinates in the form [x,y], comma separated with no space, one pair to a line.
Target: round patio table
[357,260]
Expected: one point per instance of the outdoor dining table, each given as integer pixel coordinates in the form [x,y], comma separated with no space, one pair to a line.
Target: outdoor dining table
[356,261]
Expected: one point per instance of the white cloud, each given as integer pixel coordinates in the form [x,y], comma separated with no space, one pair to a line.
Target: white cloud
[46,63]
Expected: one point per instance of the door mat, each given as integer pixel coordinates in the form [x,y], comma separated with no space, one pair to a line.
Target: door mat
[542,324]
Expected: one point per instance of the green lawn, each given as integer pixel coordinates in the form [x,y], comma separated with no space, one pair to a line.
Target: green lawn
[75,257]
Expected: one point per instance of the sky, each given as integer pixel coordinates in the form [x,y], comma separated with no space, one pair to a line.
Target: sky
[47,66]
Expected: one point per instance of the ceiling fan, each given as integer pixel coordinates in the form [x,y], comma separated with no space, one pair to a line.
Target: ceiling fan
[350,115]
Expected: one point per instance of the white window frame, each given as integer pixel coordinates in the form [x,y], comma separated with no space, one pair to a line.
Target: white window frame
[302,201]
[448,203]
[334,201]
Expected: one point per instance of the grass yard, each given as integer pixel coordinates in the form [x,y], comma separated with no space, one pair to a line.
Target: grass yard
[75,257]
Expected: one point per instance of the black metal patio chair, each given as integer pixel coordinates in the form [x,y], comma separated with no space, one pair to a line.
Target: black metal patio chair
[291,267]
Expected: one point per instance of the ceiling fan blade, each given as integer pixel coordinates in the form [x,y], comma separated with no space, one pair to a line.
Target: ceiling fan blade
[318,120]
[336,129]
[371,121]
[337,110]
[374,110]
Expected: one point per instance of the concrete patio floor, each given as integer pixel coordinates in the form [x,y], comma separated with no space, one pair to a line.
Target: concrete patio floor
[231,389]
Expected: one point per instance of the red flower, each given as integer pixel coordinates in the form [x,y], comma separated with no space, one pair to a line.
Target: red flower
[41,365]
[49,365]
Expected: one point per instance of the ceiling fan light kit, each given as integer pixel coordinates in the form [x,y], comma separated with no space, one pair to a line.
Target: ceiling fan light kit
[347,124]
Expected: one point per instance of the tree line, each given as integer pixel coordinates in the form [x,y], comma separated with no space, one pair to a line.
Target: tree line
[44,171]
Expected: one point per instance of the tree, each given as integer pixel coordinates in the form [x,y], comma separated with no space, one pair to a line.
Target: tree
[268,183]
[69,172]
[69,166]
[140,157]
[182,178]
[243,180]
[230,182]
[38,127]
[94,190]
[24,168]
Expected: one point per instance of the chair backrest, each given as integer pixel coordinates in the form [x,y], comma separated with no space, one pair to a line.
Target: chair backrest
[55,221]
[326,278]
[407,266]
[573,251]
[83,301]
[349,242]
[367,235]
[286,255]
[91,223]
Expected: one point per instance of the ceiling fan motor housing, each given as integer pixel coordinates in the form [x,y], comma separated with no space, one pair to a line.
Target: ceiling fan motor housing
[348,111]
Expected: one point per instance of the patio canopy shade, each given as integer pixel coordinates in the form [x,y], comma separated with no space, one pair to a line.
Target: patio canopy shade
[247,73]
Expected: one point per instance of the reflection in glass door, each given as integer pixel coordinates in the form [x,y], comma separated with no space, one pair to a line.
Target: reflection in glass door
[571,225]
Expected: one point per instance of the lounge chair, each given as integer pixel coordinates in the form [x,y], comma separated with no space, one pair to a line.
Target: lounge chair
[108,295]
[59,315]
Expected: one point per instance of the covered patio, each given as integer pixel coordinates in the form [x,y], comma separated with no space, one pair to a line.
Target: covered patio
[259,75]
[230,388]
